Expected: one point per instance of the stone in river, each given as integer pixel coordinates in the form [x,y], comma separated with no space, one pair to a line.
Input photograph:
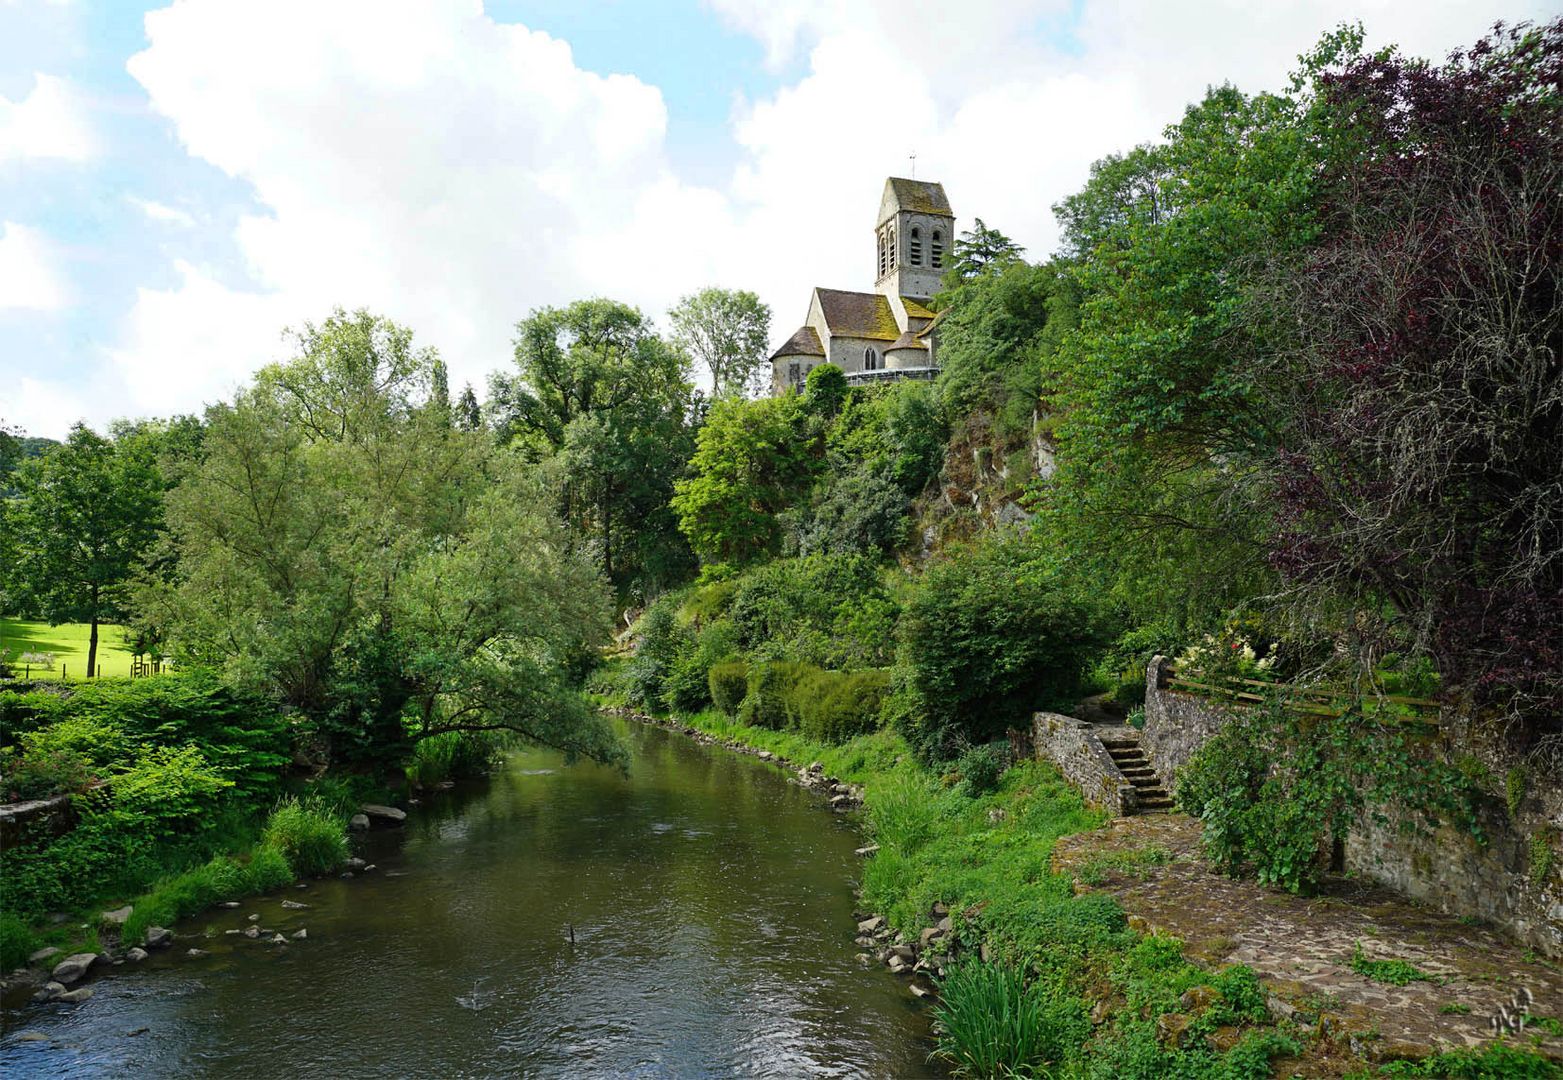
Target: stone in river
[868,926]
[73,967]
[136,955]
[196,954]
[49,991]
[381,816]
[293,905]
[157,937]
[75,997]
[252,932]
[358,822]
[300,934]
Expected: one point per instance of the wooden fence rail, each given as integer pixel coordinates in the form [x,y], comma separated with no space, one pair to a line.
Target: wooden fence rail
[1316,700]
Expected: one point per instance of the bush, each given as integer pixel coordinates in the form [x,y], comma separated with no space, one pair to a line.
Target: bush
[453,755]
[16,942]
[728,682]
[224,878]
[829,610]
[834,706]
[980,769]
[992,1022]
[662,640]
[311,838]
[772,698]
[687,686]
[987,636]
[39,776]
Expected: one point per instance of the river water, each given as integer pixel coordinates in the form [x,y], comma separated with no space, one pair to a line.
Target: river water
[711,903]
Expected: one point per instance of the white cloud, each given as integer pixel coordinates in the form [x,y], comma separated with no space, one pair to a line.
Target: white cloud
[29,279]
[454,173]
[50,122]
[160,212]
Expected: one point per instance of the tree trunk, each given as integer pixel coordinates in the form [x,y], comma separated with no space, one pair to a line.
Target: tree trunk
[92,642]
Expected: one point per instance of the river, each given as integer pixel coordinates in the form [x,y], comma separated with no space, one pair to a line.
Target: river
[711,903]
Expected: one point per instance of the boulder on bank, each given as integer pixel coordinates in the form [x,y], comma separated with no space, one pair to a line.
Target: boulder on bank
[73,967]
[136,955]
[49,952]
[381,817]
[75,997]
[49,991]
[117,917]
[157,937]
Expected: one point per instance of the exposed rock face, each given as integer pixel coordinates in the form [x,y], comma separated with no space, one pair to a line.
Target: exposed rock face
[73,967]
[383,816]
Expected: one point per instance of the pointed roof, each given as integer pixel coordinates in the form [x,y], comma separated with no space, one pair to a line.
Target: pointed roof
[914,196]
[804,342]
[858,315]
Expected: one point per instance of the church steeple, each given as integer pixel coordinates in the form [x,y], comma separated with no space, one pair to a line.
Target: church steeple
[912,238]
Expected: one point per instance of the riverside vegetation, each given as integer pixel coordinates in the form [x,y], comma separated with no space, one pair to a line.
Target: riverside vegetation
[1287,403]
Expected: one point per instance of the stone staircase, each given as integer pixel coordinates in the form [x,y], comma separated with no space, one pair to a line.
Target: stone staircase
[1123,746]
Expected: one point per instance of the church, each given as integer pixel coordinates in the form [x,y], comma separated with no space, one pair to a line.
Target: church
[888,333]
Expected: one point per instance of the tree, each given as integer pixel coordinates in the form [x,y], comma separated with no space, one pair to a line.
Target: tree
[469,414]
[82,519]
[598,391]
[976,251]
[391,577]
[727,330]
[1415,378]
[752,460]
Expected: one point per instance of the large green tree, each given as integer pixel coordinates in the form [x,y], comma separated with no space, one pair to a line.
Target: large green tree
[80,523]
[598,391]
[389,575]
[727,330]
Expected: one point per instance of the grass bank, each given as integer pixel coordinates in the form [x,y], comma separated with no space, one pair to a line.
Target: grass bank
[1068,989]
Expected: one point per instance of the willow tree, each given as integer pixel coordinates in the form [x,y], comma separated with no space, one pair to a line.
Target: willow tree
[388,574]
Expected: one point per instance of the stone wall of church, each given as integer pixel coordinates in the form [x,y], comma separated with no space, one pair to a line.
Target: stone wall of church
[918,281]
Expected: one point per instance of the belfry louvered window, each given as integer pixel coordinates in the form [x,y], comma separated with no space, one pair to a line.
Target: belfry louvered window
[938,250]
[914,247]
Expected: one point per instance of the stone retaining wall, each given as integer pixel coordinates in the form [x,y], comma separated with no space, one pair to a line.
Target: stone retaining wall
[1503,880]
[1176,724]
[1073,746]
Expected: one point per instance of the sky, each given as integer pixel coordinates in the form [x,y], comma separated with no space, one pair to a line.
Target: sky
[180,183]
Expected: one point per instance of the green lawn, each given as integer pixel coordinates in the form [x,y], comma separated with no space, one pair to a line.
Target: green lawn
[68,643]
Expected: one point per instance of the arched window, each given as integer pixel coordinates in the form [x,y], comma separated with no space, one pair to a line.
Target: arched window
[870,359]
[938,250]
[914,247]
[890,262]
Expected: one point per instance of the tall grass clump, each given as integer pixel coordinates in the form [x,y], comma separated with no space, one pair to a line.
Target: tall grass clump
[182,895]
[310,837]
[16,941]
[992,1022]
[453,755]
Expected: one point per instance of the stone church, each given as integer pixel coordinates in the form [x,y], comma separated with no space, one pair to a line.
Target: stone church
[888,333]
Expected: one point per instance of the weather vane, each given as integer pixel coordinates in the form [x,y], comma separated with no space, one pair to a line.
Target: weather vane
[913,156]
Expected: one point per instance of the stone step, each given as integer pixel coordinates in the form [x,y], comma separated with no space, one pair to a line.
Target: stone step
[1138,770]
[1114,745]
[1145,783]
[1130,760]
[1152,795]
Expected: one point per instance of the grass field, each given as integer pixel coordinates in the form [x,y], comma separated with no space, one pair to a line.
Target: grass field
[68,643]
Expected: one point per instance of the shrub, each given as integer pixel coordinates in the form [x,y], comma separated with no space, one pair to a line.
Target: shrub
[728,682]
[310,837]
[91,738]
[823,609]
[16,942]
[834,706]
[662,639]
[986,637]
[453,755]
[992,1022]
[687,686]
[224,878]
[772,700]
[980,768]
[39,776]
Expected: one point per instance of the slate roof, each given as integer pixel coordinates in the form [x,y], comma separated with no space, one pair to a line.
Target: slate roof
[914,309]
[909,340]
[804,342]
[857,314]
[920,196]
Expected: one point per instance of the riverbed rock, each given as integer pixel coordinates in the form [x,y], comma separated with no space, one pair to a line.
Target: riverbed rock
[136,955]
[865,852]
[279,940]
[157,937]
[869,925]
[842,802]
[196,954]
[897,965]
[355,863]
[29,1036]
[75,997]
[116,917]
[383,816]
[816,766]
[49,991]
[766,755]
[252,932]
[253,916]
[358,822]
[300,934]
[230,904]
[940,909]
[921,991]
[866,959]
[930,934]
[44,954]
[294,905]
[73,967]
